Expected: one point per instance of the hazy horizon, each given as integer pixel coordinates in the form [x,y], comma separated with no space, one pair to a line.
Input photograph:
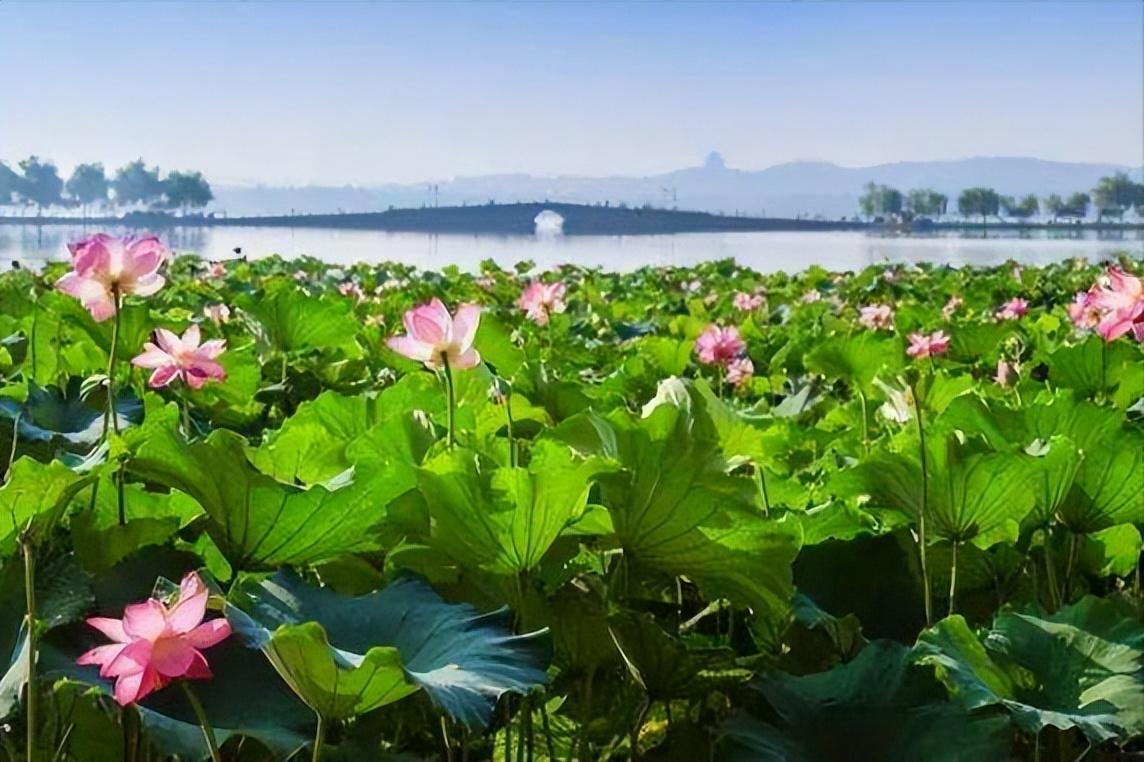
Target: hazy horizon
[371,94]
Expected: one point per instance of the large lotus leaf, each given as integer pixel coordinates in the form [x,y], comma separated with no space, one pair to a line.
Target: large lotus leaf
[49,412]
[664,666]
[297,322]
[1094,366]
[333,432]
[494,342]
[310,446]
[1061,414]
[875,707]
[1114,551]
[676,510]
[1109,485]
[504,520]
[255,520]
[35,498]
[857,359]
[347,655]
[152,518]
[972,495]
[1080,668]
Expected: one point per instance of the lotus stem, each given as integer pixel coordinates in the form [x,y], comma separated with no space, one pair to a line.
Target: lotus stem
[953,576]
[522,732]
[15,441]
[204,723]
[452,398]
[444,737]
[548,743]
[926,597]
[1051,572]
[319,739]
[865,423]
[761,480]
[111,365]
[28,548]
[584,744]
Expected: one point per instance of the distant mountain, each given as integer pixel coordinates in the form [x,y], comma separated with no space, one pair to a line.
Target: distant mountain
[785,190]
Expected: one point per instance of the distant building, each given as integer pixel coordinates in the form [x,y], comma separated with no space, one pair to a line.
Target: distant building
[714,160]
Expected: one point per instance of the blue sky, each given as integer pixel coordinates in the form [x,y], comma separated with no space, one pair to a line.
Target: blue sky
[367,93]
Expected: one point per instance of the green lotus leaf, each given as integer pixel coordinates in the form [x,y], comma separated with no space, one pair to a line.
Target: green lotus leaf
[876,707]
[257,521]
[1107,485]
[858,359]
[1082,667]
[972,495]
[344,656]
[1094,366]
[677,510]
[504,520]
[295,322]
[35,497]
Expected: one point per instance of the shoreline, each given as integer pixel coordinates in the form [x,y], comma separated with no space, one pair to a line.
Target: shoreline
[579,220]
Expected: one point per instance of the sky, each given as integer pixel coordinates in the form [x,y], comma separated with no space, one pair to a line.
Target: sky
[375,92]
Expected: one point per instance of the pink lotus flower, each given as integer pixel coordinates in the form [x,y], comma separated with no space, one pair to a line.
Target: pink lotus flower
[748,302]
[216,270]
[740,371]
[1082,312]
[351,289]
[1120,301]
[181,357]
[1006,373]
[876,317]
[436,338]
[951,306]
[540,299]
[810,297]
[106,268]
[691,287]
[718,345]
[921,345]
[217,313]
[1014,309]
[156,643]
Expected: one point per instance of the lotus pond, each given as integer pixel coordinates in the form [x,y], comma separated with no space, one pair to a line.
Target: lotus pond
[277,510]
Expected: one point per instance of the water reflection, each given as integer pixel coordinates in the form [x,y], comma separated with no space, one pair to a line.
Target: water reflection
[764,251]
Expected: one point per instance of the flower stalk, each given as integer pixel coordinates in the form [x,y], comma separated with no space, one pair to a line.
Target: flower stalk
[204,723]
[28,549]
[452,400]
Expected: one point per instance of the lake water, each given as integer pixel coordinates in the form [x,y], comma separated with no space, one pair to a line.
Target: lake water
[762,251]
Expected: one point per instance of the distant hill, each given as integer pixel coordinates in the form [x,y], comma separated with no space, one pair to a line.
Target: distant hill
[784,190]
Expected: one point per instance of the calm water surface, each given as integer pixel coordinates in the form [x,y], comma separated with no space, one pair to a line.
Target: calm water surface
[762,251]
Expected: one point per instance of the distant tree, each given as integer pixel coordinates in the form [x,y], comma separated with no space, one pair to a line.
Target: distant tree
[1076,206]
[1021,209]
[87,185]
[1054,204]
[9,184]
[880,200]
[134,183]
[979,201]
[41,185]
[187,190]
[1116,194]
[923,202]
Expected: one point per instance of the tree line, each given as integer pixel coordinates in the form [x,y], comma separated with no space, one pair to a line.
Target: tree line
[1112,197]
[38,182]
